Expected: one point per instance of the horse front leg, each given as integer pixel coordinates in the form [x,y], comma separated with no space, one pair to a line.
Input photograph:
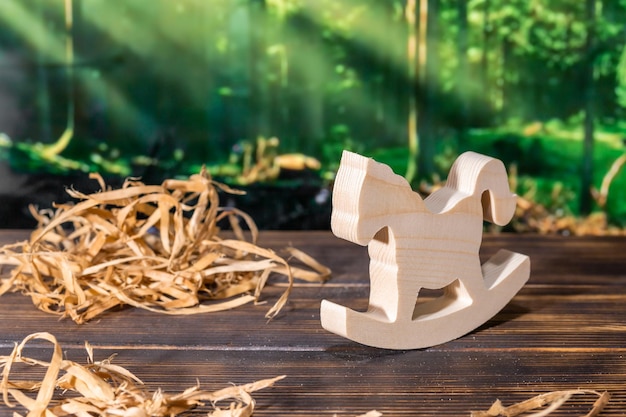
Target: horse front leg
[392,295]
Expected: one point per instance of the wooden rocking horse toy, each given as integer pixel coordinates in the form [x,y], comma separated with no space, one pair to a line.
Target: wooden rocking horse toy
[431,243]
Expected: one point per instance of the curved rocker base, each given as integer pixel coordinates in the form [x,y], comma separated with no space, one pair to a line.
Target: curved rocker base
[438,321]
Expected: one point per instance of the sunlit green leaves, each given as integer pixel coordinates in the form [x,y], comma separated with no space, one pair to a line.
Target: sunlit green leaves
[283,8]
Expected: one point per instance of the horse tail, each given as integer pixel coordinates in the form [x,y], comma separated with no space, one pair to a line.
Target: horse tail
[485,178]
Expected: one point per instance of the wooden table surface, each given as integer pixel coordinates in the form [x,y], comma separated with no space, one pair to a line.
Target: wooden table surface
[565,330]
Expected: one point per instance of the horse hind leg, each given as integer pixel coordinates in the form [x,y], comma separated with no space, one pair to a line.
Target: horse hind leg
[460,293]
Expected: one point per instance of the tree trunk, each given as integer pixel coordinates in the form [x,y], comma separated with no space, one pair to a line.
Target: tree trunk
[589,96]
[427,111]
[410,13]
[484,63]
[462,71]
[54,149]
[310,117]
[259,97]
[505,88]
[43,90]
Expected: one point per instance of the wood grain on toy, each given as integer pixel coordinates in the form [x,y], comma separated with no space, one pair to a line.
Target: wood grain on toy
[416,244]
[565,329]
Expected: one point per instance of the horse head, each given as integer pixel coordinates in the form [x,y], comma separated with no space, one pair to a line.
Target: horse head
[365,191]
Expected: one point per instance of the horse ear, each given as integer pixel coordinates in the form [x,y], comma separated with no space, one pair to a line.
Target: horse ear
[354,160]
[352,156]
[384,173]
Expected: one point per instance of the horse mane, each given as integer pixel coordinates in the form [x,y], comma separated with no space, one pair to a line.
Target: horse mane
[373,169]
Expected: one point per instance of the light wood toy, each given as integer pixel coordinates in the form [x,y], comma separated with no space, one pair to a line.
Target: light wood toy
[416,243]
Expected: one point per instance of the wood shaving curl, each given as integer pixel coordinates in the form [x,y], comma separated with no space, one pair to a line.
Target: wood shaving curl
[551,401]
[155,247]
[104,389]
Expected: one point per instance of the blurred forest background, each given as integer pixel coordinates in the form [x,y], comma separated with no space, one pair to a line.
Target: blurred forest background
[267,93]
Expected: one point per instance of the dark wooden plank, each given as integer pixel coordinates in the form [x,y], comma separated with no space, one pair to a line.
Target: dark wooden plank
[349,380]
[566,329]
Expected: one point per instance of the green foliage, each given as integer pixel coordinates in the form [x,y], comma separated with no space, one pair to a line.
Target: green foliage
[326,75]
[548,162]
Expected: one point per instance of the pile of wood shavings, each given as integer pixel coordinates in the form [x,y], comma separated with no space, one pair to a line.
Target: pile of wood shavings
[104,389]
[155,247]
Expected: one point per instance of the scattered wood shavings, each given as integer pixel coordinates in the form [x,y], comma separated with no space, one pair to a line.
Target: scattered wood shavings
[372,413]
[104,389]
[155,247]
[553,400]
[532,217]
